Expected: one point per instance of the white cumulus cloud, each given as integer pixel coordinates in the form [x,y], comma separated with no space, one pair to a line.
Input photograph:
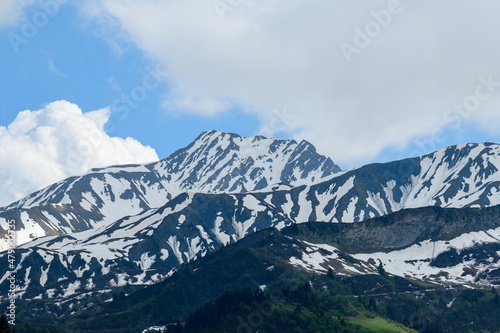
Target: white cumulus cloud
[11,10]
[42,147]
[403,73]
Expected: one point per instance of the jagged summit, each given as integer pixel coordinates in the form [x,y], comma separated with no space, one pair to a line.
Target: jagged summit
[215,162]
[225,162]
[138,223]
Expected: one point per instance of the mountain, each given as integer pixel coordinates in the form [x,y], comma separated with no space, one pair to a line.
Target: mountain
[434,219]
[258,261]
[304,185]
[296,270]
[428,244]
[295,273]
[140,249]
[215,162]
[146,247]
[458,176]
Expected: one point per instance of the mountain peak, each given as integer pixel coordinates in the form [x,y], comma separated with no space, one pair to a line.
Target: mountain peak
[216,162]
[221,188]
[226,162]
[215,134]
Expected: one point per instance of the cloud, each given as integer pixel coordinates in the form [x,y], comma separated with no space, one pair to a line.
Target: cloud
[54,70]
[11,10]
[42,147]
[408,63]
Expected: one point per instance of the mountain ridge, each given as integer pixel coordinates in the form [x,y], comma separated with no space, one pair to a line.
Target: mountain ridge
[458,176]
[154,249]
[105,195]
[433,218]
[271,262]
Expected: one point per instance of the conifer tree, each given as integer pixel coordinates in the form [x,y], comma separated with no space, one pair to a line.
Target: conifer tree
[381,269]
[4,324]
[330,273]
[373,304]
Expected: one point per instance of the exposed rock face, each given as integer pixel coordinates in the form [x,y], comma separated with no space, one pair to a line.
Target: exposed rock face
[136,224]
[401,229]
[214,163]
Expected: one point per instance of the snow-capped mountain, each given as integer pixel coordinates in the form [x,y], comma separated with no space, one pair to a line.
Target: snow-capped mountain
[214,163]
[438,245]
[139,223]
[454,177]
[141,249]
[302,257]
[443,246]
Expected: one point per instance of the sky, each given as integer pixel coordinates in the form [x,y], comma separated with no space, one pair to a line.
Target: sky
[93,83]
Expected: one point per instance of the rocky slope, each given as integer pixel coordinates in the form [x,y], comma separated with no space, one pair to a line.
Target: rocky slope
[139,223]
[458,176]
[309,255]
[214,163]
[442,245]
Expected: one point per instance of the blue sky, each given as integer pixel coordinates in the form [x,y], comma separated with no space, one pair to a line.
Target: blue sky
[69,59]
[368,82]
